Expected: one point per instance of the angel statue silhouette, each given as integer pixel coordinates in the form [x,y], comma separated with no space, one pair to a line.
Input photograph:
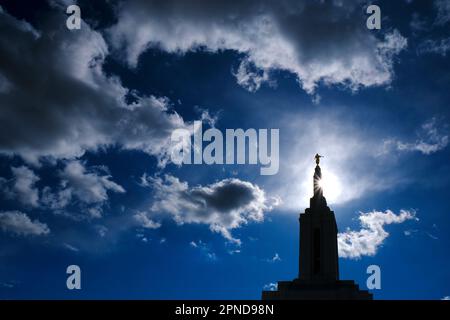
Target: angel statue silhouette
[317,157]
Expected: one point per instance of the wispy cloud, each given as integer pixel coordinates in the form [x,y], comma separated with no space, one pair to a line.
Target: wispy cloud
[8,284]
[204,248]
[431,138]
[432,236]
[410,232]
[142,237]
[88,186]
[71,247]
[101,230]
[414,232]
[144,221]
[440,47]
[418,23]
[275,258]
[443,11]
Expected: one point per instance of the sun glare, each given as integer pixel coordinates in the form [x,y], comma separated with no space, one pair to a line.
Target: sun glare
[331,186]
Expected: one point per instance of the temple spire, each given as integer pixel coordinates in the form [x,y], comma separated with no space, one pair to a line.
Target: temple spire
[316,182]
[318,199]
[318,272]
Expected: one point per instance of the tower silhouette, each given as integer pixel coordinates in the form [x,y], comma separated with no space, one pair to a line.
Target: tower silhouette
[318,258]
[318,276]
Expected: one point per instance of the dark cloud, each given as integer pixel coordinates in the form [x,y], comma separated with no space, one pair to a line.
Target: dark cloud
[223,205]
[315,40]
[56,101]
[226,196]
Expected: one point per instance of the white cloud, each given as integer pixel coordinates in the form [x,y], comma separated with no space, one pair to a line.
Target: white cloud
[144,180]
[193,244]
[142,237]
[270,287]
[144,221]
[250,77]
[316,41]
[86,187]
[367,241]
[224,205]
[19,223]
[22,186]
[275,258]
[446,298]
[431,138]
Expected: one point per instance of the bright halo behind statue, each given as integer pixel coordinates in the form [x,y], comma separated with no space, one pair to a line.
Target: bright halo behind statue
[331,186]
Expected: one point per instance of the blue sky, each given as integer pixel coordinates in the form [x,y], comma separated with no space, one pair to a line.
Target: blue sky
[86,119]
